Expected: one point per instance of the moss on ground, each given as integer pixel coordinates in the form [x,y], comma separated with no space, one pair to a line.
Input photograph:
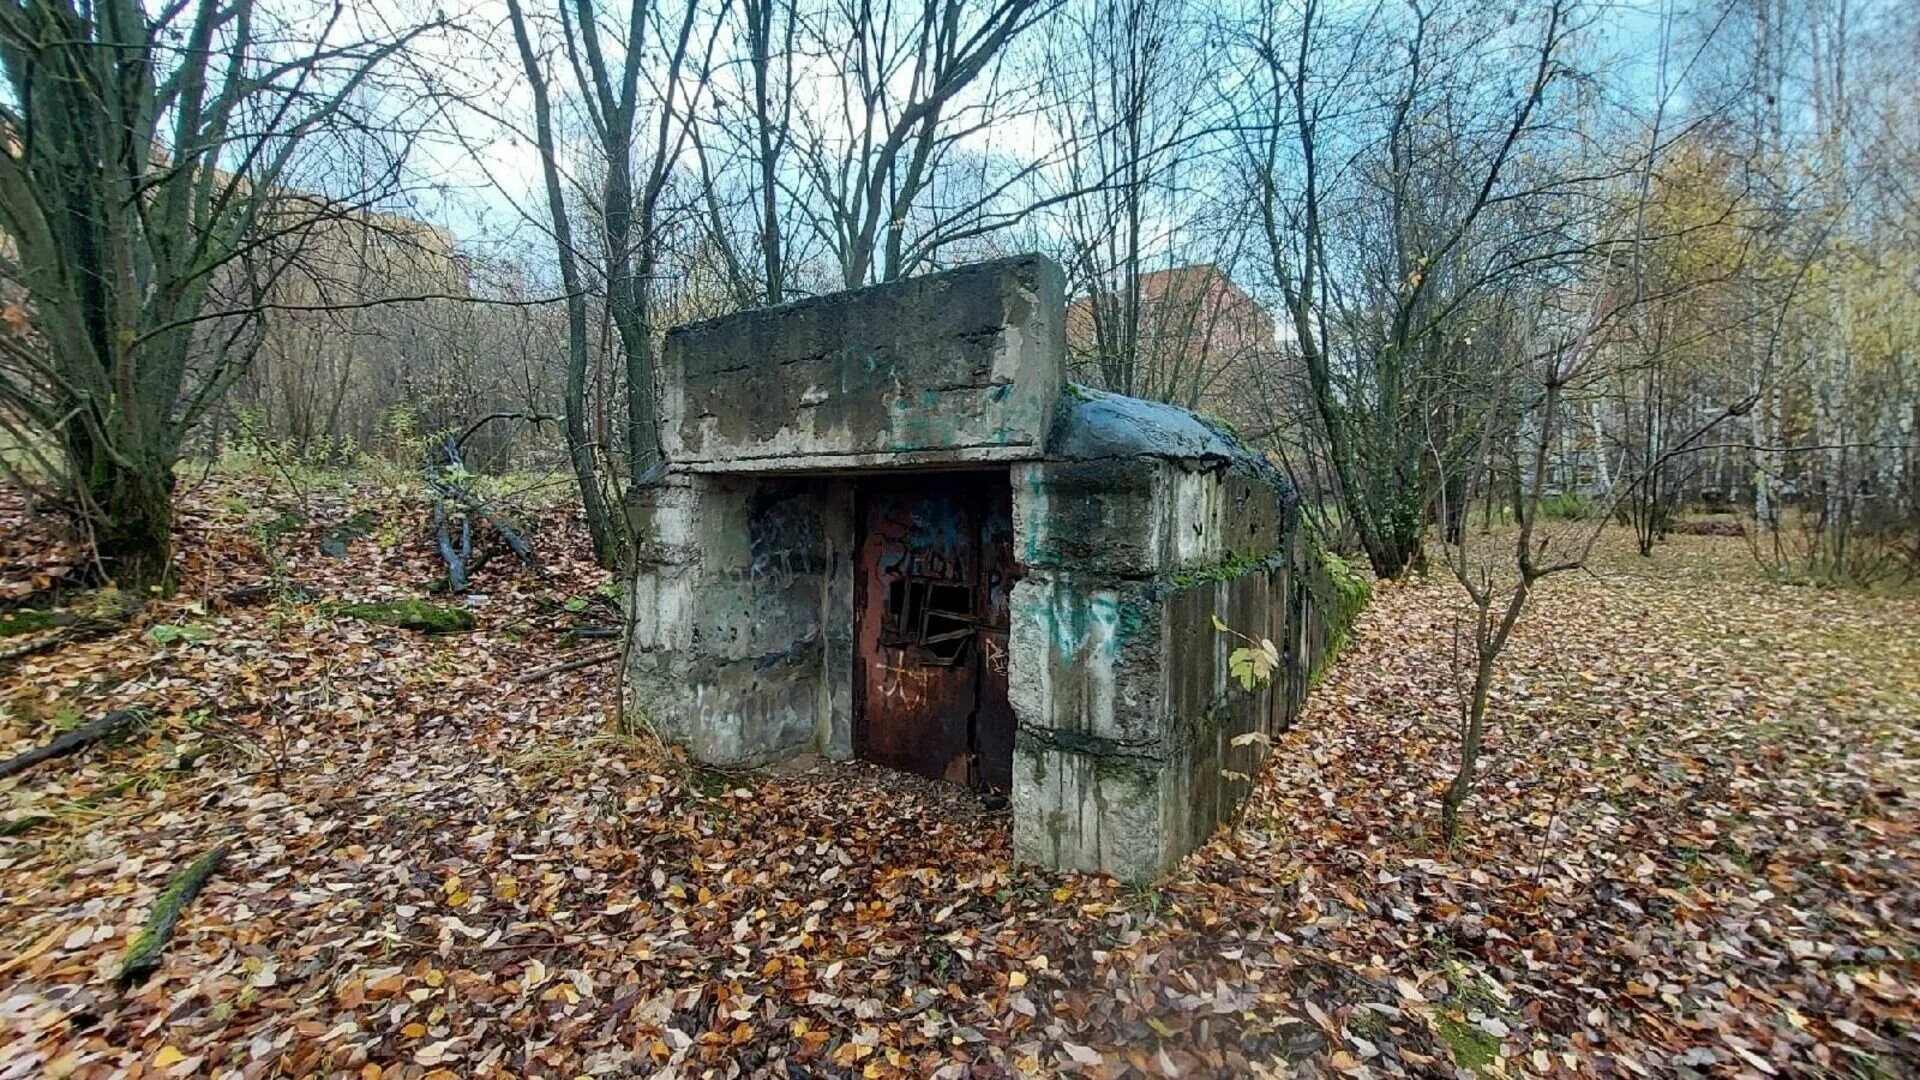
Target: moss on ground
[1473,1049]
[412,615]
[30,621]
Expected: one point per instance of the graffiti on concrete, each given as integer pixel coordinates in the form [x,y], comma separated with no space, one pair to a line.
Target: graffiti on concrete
[784,540]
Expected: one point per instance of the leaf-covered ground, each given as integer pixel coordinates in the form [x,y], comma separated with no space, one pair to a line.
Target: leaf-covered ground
[1693,851]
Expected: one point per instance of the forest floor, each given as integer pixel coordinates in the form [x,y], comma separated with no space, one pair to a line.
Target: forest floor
[1693,850]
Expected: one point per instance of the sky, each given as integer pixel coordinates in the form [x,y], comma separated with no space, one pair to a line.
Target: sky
[476,172]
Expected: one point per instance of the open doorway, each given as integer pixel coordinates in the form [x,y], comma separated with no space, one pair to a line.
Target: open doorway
[933,571]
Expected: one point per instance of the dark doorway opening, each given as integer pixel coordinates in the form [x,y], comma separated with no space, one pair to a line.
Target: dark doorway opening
[935,565]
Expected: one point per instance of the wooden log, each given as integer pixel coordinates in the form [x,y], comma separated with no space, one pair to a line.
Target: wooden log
[142,957]
[73,741]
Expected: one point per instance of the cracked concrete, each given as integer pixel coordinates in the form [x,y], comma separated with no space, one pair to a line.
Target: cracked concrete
[1135,524]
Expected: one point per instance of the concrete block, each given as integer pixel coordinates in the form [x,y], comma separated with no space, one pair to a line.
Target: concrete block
[745,716]
[1254,515]
[962,366]
[1140,516]
[1099,516]
[1079,811]
[660,603]
[1088,663]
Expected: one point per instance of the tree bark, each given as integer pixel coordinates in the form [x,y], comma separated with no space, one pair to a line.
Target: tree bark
[133,522]
[580,443]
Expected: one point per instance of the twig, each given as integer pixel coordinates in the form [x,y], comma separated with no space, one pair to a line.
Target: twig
[534,418]
[600,656]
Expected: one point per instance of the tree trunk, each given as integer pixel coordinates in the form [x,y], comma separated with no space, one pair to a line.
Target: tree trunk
[135,539]
[580,443]
[127,505]
[1462,784]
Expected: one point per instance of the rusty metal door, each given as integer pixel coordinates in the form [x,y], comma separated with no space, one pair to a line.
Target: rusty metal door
[930,609]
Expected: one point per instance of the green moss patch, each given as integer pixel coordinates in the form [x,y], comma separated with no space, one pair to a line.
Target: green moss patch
[1234,567]
[29,621]
[412,615]
[1350,594]
[1473,1049]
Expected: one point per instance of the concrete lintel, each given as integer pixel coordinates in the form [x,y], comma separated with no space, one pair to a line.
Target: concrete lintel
[971,456]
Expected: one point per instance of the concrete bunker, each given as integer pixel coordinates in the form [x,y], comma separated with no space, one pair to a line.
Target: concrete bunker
[891,529]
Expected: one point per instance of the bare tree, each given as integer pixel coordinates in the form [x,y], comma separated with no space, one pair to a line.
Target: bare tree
[1150,226]
[1376,149]
[753,127]
[151,166]
[624,101]
[871,151]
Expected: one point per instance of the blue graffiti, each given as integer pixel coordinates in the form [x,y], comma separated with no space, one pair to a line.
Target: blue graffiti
[1082,627]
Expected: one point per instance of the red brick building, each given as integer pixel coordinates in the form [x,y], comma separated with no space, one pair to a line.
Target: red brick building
[1200,341]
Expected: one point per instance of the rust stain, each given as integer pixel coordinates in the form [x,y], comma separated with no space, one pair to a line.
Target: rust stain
[934,565]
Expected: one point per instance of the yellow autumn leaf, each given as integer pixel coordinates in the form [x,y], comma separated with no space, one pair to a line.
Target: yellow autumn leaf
[168,1056]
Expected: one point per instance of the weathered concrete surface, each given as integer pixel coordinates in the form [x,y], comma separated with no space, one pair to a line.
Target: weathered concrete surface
[731,633]
[1135,525]
[958,367]
[1142,516]
[1129,713]
[1096,424]
[1143,524]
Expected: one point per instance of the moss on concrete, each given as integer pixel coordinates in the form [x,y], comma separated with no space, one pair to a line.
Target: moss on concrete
[1233,567]
[1342,591]
[1350,594]
[412,615]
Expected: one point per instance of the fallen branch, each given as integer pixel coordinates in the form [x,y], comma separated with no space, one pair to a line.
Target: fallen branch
[67,634]
[536,419]
[143,956]
[598,657]
[73,741]
[453,487]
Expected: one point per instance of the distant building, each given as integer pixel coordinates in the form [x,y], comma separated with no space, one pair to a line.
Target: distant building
[1199,341]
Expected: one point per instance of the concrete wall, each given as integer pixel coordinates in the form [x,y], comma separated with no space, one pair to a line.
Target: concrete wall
[743,616]
[961,367]
[1127,710]
[1135,523]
